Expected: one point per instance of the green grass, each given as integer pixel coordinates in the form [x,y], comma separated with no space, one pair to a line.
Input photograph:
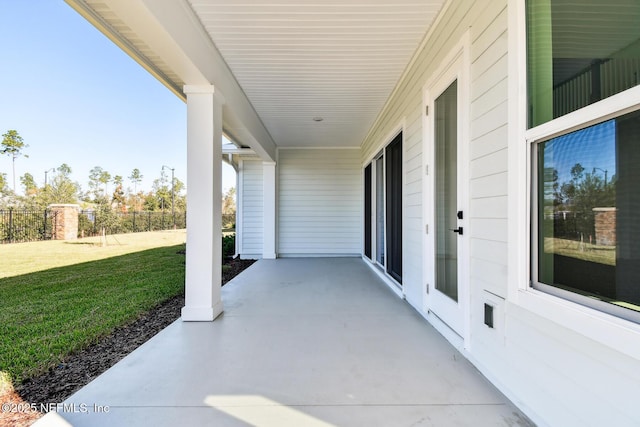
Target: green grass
[58,297]
[583,251]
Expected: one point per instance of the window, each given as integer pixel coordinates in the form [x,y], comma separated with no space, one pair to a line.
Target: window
[586,218]
[579,53]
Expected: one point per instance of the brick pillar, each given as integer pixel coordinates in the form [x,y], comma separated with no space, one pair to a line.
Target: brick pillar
[605,226]
[65,221]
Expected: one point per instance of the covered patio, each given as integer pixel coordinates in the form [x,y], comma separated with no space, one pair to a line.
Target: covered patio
[302,342]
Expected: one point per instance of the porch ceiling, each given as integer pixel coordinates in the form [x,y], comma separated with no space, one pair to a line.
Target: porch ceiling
[336,59]
[295,60]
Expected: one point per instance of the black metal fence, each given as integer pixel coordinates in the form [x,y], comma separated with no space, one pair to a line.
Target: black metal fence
[569,225]
[89,222]
[17,225]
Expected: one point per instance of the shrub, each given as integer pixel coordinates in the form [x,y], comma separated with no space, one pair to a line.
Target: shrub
[228,246]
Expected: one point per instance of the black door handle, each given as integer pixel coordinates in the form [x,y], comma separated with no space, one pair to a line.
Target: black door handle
[457,230]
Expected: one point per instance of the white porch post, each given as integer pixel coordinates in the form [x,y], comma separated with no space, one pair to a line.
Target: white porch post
[204,213]
[269,210]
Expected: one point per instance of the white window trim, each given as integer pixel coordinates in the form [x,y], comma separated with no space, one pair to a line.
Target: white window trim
[613,106]
[374,211]
[614,332]
[400,126]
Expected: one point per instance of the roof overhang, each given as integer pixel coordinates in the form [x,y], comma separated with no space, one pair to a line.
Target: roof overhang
[292,73]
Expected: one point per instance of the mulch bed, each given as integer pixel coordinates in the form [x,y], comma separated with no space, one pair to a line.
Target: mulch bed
[80,368]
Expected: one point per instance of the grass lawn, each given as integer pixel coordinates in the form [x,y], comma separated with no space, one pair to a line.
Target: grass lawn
[583,251]
[57,297]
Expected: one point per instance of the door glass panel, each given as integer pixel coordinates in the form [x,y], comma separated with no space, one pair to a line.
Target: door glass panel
[393,195]
[380,210]
[446,153]
[367,210]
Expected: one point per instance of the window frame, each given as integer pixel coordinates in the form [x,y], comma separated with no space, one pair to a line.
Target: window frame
[380,153]
[609,329]
[587,301]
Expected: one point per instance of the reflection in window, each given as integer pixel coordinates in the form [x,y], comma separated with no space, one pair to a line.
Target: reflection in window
[589,212]
[579,53]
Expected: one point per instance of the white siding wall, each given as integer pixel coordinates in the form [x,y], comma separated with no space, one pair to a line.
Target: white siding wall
[252,209]
[487,152]
[559,377]
[319,202]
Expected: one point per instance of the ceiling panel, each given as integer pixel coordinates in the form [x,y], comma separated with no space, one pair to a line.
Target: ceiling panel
[334,59]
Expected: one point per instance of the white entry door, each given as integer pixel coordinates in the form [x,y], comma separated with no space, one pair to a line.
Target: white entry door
[445,201]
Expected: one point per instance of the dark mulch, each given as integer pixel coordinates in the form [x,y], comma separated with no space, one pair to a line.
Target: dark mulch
[80,368]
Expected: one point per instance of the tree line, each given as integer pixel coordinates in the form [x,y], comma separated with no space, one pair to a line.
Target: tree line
[104,190]
[577,196]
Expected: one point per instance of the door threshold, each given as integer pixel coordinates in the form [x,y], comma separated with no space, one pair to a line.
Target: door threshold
[445,330]
[393,285]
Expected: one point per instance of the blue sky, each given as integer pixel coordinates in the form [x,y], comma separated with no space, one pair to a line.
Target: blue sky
[76,98]
[592,147]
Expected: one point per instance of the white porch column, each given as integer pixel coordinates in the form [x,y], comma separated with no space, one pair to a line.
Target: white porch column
[269,210]
[204,212]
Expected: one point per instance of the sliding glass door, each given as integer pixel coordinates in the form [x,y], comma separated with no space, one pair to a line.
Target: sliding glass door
[383,209]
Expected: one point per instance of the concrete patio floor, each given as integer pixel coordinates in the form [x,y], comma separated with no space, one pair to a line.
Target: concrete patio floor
[302,342]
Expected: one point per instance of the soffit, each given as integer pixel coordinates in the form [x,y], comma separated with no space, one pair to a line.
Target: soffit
[334,59]
[296,60]
[101,11]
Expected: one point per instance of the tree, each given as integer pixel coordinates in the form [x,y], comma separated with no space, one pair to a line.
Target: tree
[582,193]
[3,183]
[61,189]
[180,200]
[118,194]
[162,192]
[160,196]
[64,169]
[229,202]
[106,218]
[29,184]
[12,145]
[94,182]
[98,181]
[135,178]
[150,202]
[104,179]
[4,191]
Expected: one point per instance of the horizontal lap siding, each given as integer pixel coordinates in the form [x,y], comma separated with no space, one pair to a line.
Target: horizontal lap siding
[488,195]
[563,377]
[487,161]
[577,381]
[566,378]
[488,35]
[252,209]
[320,202]
[488,152]
[412,237]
